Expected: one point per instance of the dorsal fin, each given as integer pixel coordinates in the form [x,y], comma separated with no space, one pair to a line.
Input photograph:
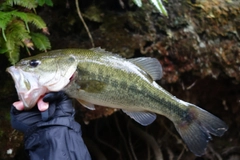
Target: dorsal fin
[100,50]
[150,65]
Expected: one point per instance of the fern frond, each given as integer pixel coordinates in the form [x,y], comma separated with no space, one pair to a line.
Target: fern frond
[47,2]
[40,41]
[36,20]
[16,30]
[12,47]
[29,18]
[30,4]
[5,18]
[12,52]
[3,49]
[5,7]
[16,33]
[23,16]
[4,36]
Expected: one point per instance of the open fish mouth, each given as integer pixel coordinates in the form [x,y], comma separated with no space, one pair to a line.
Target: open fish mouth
[27,86]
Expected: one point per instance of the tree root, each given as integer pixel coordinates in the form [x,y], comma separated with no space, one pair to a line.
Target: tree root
[149,140]
[85,25]
[123,137]
[105,143]
[94,149]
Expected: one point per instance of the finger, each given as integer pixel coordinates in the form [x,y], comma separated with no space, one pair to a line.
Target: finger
[18,105]
[42,106]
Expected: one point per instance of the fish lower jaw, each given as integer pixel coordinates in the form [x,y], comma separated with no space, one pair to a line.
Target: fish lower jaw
[31,97]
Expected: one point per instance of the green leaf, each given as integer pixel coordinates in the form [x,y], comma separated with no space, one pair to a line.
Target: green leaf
[16,33]
[29,18]
[13,55]
[41,2]
[138,2]
[12,51]
[49,3]
[30,4]
[158,4]
[36,20]
[5,18]
[22,16]
[16,30]
[5,7]
[40,41]
[3,50]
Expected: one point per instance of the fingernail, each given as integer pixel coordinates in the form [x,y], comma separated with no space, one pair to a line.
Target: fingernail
[42,106]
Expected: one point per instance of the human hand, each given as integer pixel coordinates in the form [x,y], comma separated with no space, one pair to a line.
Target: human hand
[43,102]
[42,106]
[22,120]
[59,105]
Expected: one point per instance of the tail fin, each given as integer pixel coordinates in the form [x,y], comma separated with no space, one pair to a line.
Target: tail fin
[196,127]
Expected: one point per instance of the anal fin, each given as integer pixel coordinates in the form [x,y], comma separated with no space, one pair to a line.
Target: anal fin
[144,118]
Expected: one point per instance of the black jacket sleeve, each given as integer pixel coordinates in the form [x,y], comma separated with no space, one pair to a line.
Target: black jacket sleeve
[57,136]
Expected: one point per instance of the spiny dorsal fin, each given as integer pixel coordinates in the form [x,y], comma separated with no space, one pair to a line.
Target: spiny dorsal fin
[100,50]
[150,65]
[144,118]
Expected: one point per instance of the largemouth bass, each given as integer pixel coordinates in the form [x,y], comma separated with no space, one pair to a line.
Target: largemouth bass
[97,77]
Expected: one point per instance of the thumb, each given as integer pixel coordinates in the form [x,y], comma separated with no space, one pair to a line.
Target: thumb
[18,105]
[42,106]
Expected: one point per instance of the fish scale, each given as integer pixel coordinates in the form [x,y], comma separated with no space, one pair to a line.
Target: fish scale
[114,86]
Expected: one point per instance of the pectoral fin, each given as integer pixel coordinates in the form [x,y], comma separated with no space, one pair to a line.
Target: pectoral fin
[86,104]
[144,118]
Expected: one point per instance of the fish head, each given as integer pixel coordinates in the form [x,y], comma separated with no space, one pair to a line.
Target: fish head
[40,74]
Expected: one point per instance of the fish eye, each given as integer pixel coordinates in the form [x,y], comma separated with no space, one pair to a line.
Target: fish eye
[34,63]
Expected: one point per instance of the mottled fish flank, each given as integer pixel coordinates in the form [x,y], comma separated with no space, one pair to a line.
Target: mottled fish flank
[98,77]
